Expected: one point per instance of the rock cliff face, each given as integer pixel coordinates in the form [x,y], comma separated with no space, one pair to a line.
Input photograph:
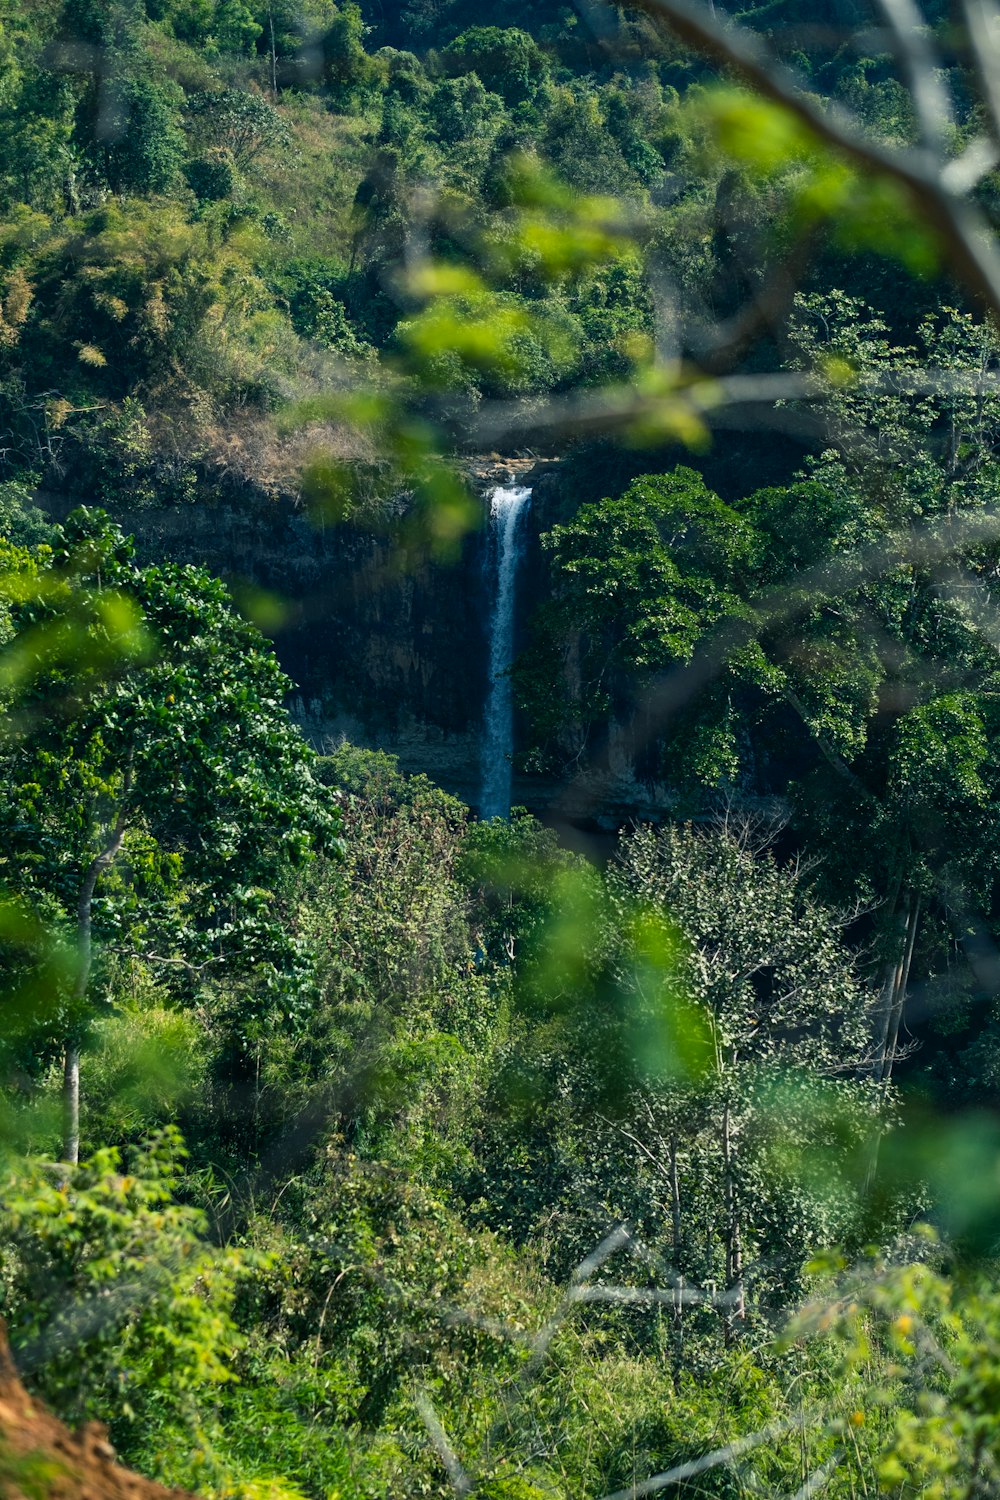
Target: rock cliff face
[387,647]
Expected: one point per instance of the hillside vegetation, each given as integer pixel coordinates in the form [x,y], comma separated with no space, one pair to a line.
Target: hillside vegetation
[352,1146]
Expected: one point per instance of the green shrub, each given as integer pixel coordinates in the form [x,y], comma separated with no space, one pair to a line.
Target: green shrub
[113,1295]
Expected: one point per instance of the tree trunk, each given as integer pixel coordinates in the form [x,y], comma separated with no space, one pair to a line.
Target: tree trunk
[84,961]
[892,1004]
[896,1019]
[888,996]
[678,1311]
[736,1309]
[71,1105]
[675,1203]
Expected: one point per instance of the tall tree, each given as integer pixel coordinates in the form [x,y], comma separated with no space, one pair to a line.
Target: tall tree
[155,805]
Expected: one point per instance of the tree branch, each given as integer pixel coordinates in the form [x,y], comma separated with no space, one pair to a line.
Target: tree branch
[460,1481]
[919,66]
[713,1460]
[983,23]
[819,1479]
[921,173]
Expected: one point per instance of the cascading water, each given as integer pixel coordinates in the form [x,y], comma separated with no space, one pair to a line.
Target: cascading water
[507,508]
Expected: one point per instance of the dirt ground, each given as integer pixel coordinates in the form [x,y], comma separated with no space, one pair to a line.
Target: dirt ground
[40,1459]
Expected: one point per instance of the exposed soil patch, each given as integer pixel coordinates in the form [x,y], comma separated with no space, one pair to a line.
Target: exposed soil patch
[41,1456]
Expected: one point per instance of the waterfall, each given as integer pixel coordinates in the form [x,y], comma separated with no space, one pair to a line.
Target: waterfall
[506,509]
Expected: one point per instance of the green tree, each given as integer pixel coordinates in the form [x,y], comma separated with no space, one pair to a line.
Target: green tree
[239,123]
[775,1129]
[460,108]
[508,61]
[41,164]
[403,1024]
[646,577]
[784,627]
[236,28]
[140,144]
[155,806]
[127,118]
[347,68]
[579,145]
[692,1033]
[230,24]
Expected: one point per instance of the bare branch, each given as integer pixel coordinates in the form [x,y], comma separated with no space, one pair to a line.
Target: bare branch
[642,1296]
[983,22]
[170,960]
[963,229]
[460,1481]
[610,1245]
[766,309]
[763,396]
[919,66]
[965,172]
[819,1479]
[713,1460]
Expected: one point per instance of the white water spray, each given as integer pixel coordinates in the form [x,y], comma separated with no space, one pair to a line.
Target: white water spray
[507,507]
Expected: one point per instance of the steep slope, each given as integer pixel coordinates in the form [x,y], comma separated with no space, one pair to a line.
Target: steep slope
[39,1455]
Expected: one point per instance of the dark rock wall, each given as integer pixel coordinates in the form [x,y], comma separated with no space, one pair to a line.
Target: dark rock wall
[386,645]
[389,648]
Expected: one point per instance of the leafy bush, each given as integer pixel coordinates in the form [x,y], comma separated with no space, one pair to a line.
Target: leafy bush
[112,1293]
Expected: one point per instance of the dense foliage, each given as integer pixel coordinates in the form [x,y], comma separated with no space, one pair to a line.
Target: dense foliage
[356,1147]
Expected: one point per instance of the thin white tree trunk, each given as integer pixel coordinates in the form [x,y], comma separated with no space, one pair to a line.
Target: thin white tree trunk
[678,1310]
[84,961]
[736,1311]
[912,924]
[71,1105]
